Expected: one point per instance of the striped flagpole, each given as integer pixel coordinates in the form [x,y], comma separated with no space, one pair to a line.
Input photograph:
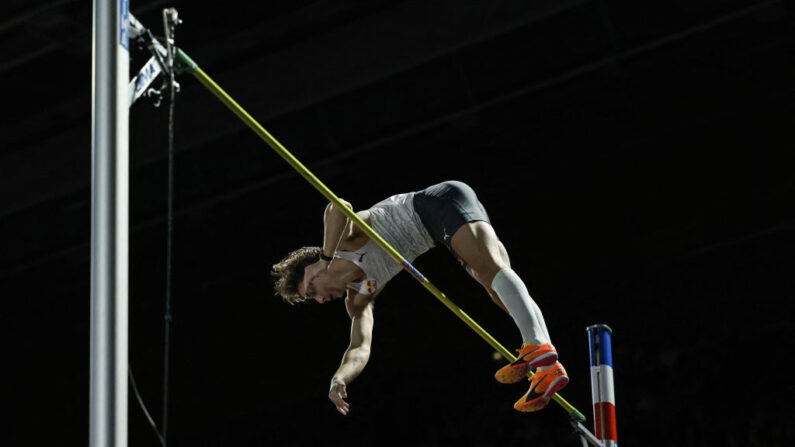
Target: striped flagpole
[602,391]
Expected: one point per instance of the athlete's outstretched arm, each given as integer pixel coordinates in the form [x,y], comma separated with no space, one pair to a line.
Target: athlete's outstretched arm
[355,357]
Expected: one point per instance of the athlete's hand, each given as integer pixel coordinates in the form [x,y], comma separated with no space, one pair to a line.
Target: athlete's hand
[337,394]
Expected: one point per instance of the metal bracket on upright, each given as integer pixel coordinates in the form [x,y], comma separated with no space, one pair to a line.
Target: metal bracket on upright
[161,61]
[586,437]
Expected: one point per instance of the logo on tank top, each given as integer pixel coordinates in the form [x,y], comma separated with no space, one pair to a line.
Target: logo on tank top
[365,287]
[370,285]
[362,256]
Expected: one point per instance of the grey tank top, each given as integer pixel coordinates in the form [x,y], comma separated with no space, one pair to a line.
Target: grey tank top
[396,221]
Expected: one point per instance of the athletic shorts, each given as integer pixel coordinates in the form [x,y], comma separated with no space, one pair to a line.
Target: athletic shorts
[445,207]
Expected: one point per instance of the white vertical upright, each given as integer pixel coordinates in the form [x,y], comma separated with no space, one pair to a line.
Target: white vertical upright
[109,224]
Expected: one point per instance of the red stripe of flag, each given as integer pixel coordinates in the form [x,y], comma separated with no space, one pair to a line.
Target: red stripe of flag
[605,418]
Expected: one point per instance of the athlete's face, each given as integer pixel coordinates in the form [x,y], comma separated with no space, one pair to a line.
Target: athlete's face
[320,287]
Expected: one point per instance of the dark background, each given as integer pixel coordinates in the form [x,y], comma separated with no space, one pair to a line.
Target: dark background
[635,157]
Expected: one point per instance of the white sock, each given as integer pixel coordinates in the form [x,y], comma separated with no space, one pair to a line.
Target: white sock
[525,312]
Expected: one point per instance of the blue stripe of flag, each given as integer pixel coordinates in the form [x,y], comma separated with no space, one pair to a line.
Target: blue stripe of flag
[600,345]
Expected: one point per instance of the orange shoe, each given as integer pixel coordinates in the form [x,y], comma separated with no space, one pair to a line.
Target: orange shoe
[543,386]
[530,357]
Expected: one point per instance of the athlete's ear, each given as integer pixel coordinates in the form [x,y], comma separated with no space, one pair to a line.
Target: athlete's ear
[302,284]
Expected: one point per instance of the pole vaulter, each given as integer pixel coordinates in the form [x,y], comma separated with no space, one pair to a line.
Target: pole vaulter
[187,64]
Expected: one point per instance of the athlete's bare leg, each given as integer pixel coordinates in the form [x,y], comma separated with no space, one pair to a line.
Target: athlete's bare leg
[484,254]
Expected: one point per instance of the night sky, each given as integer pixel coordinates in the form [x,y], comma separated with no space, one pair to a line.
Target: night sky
[635,158]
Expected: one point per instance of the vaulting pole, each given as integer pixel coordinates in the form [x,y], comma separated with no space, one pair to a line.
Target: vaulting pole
[109,225]
[188,64]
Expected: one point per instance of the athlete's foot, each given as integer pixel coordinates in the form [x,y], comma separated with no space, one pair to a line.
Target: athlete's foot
[543,386]
[530,357]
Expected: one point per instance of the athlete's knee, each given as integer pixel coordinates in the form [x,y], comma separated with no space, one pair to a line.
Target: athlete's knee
[503,254]
[485,272]
[493,259]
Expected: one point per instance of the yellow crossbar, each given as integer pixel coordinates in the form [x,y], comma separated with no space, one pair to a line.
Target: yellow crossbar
[187,63]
